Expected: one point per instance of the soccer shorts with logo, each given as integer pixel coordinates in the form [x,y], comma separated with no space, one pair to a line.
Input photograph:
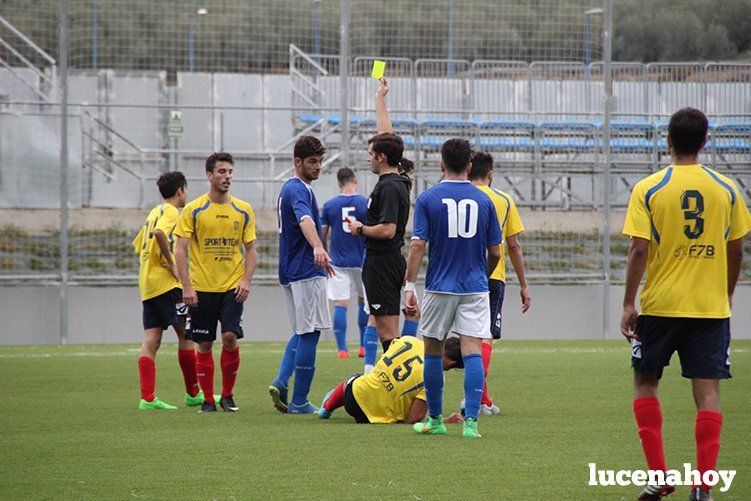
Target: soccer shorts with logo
[463,314]
[350,402]
[344,280]
[164,310]
[497,291]
[383,277]
[215,307]
[703,345]
[307,306]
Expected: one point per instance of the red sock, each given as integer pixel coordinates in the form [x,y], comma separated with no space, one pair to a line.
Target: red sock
[707,432]
[147,373]
[187,361]
[230,361]
[336,399]
[205,374]
[649,421]
[487,353]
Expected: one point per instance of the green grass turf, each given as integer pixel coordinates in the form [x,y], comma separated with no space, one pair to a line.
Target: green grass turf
[70,428]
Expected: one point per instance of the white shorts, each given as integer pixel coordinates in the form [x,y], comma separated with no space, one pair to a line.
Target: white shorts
[307,306]
[344,280]
[466,315]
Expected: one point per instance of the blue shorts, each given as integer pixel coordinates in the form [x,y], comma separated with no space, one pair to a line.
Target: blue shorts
[703,345]
[497,290]
[214,307]
[164,310]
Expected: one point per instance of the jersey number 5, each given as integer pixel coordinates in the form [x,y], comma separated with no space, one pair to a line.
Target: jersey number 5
[346,213]
[462,217]
[693,214]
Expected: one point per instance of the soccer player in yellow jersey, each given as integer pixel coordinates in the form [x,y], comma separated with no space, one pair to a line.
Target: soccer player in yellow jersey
[161,295]
[393,392]
[686,224]
[481,175]
[218,231]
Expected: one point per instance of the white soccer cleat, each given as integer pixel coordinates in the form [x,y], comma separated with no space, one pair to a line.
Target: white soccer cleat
[489,410]
[368,369]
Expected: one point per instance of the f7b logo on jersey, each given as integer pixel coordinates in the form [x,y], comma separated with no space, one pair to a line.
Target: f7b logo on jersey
[695,251]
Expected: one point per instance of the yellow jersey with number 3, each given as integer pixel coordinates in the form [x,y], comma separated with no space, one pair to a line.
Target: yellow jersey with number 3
[387,393]
[217,233]
[688,213]
[511,224]
[154,278]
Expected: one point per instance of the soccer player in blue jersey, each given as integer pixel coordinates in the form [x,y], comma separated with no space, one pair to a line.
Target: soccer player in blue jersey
[460,225]
[303,266]
[347,253]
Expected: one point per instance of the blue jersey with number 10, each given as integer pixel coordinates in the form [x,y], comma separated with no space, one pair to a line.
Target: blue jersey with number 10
[459,223]
[346,250]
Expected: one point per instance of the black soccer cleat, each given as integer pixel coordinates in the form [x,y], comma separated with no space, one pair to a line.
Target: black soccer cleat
[228,404]
[207,407]
[655,492]
[699,494]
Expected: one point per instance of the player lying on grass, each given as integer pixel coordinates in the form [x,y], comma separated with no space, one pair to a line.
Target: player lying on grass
[394,390]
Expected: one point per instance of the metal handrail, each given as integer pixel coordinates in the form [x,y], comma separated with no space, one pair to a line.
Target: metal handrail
[21,79]
[28,41]
[294,50]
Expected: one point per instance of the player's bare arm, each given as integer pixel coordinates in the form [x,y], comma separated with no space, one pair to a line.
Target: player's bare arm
[517,260]
[735,261]
[637,264]
[251,257]
[324,237]
[383,231]
[320,256]
[494,257]
[414,259]
[417,412]
[169,261]
[190,297]
[383,122]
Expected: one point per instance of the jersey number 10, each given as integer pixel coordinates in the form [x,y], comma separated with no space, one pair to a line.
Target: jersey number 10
[462,217]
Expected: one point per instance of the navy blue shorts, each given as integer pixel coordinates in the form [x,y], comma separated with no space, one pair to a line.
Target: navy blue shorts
[497,290]
[214,307]
[164,310]
[703,345]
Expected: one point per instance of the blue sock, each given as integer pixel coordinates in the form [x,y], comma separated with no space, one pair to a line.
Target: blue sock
[409,328]
[362,321]
[474,377]
[340,327]
[287,367]
[370,341]
[305,366]
[433,374]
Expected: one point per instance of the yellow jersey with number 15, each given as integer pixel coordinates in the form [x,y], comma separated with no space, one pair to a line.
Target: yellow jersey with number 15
[386,394]
[217,233]
[511,224]
[154,278]
[688,213]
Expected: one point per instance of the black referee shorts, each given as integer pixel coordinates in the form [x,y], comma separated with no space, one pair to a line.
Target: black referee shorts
[383,277]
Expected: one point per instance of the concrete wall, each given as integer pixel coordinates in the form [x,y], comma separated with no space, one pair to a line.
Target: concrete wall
[30,315]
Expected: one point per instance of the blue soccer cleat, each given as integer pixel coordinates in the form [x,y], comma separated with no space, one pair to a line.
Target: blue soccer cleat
[306,408]
[278,394]
[322,412]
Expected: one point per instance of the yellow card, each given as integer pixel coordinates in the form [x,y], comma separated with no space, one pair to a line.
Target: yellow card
[379,68]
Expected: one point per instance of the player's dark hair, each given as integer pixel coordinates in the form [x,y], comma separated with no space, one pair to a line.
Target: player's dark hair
[455,154]
[453,351]
[308,146]
[482,164]
[215,158]
[169,182]
[390,145]
[407,165]
[345,175]
[688,131]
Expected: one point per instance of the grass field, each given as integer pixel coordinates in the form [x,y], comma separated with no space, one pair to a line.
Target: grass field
[70,428]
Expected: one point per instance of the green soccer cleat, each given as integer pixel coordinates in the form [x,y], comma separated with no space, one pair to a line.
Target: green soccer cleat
[470,429]
[194,401]
[154,405]
[433,426]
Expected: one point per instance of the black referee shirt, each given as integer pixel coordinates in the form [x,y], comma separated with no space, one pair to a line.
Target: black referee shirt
[388,203]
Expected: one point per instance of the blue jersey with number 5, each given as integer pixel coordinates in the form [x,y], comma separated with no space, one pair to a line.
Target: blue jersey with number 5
[296,202]
[459,223]
[346,250]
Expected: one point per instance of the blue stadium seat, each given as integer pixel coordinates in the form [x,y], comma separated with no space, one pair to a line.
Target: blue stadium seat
[499,135]
[569,137]
[631,137]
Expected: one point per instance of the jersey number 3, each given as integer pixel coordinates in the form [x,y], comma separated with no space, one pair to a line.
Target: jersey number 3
[462,217]
[695,228]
